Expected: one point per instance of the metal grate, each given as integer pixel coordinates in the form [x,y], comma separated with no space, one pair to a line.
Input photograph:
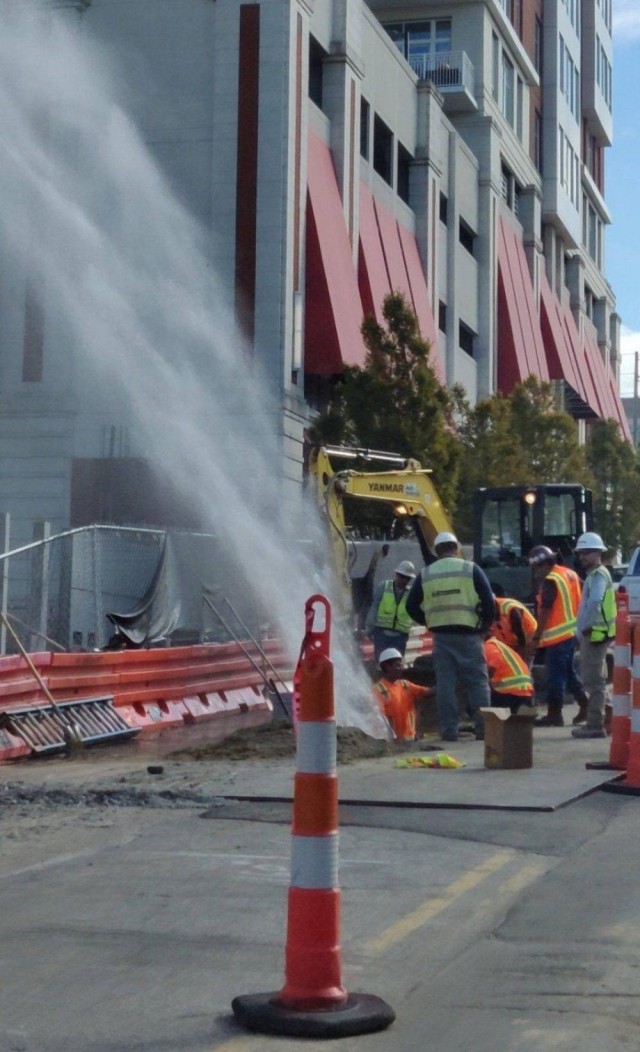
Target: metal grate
[42,728]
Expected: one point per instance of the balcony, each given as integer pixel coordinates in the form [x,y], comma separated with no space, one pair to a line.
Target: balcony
[453,74]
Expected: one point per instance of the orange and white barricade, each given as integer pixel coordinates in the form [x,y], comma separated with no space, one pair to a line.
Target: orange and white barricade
[623,675]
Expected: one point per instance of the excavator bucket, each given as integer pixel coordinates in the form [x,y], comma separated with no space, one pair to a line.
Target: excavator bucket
[43,728]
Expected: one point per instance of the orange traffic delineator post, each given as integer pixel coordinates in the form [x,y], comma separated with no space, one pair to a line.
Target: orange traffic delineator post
[313,1001]
[621,693]
[631,783]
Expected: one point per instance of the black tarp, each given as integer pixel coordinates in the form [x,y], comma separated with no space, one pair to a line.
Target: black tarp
[173,609]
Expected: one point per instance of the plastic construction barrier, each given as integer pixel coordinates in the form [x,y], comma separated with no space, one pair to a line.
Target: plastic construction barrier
[154,690]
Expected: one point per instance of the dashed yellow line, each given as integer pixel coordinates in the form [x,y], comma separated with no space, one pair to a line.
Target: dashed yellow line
[432,907]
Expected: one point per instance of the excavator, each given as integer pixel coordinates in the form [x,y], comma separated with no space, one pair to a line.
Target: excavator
[407,488]
[509,520]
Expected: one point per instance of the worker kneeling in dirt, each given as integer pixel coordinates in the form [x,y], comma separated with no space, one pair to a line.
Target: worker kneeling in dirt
[397,697]
[510,680]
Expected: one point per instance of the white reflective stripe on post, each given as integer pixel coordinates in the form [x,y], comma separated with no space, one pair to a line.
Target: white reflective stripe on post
[316,748]
[622,655]
[635,721]
[314,862]
[635,666]
[620,704]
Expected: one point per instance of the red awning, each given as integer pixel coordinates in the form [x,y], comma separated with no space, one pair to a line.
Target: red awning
[421,299]
[605,383]
[390,262]
[520,344]
[373,276]
[333,308]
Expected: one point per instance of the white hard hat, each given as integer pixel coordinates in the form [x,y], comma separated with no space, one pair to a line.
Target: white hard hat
[445,538]
[390,654]
[406,569]
[591,542]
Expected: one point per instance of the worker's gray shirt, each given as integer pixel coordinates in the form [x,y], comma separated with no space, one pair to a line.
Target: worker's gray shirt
[593,593]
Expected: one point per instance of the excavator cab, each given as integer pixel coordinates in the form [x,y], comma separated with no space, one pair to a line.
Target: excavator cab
[510,520]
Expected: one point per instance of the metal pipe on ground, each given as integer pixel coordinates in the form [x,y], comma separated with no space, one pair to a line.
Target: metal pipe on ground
[268,682]
[71,731]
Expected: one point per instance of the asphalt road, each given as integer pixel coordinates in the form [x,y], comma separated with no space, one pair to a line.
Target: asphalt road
[133,928]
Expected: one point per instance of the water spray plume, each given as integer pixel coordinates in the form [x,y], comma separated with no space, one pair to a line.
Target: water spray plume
[139,332]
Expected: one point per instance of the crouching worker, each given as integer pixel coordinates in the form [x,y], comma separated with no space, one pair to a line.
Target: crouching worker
[510,680]
[397,697]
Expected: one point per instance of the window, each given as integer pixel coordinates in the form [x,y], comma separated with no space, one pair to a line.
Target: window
[444,209]
[495,72]
[365,120]
[510,189]
[537,46]
[508,73]
[404,168]
[382,149]
[603,73]
[466,236]
[33,340]
[592,231]
[569,168]
[466,337]
[317,55]
[588,301]
[519,108]
[537,140]
[421,42]
[569,78]
[442,316]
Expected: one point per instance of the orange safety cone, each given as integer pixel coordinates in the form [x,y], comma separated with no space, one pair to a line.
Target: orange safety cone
[313,1001]
[631,783]
[621,693]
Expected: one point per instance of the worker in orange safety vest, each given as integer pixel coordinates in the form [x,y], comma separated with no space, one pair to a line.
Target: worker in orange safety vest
[514,625]
[397,697]
[509,677]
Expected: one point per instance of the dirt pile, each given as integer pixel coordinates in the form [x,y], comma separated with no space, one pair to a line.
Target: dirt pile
[276,740]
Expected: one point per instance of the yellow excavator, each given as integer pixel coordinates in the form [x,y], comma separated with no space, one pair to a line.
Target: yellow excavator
[407,488]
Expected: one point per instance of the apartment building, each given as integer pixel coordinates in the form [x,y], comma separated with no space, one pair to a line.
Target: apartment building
[336,150]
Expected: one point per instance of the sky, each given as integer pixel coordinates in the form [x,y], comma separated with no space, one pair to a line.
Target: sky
[622,186]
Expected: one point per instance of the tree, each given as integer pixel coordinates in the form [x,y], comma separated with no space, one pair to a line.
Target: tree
[395,402]
[616,473]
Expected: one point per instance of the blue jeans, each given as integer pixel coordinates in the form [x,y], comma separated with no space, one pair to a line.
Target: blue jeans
[561,675]
[458,657]
[388,637]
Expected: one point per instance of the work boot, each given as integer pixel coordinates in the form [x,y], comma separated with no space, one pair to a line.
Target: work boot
[581,716]
[554,718]
[588,732]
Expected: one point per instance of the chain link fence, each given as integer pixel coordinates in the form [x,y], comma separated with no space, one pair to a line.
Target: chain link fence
[56,592]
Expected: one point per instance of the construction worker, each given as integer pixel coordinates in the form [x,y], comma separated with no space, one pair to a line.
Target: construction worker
[557,602]
[453,598]
[514,624]
[509,676]
[397,697]
[596,627]
[388,623]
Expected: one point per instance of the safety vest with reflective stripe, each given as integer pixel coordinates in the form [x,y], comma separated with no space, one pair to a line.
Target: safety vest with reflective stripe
[392,614]
[449,596]
[562,620]
[508,673]
[605,626]
[501,629]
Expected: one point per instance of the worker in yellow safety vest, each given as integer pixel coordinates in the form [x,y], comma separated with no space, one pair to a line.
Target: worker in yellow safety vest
[596,626]
[388,623]
[509,677]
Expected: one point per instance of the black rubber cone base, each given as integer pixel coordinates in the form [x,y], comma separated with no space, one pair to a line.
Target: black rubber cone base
[360,1014]
[621,787]
[603,765]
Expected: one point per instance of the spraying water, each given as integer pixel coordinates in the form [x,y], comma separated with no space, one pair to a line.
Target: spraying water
[137,327]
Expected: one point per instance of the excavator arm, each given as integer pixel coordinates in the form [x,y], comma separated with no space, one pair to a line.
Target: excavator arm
[408,489]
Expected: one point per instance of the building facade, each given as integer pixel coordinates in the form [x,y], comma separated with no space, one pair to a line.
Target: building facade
[337,150]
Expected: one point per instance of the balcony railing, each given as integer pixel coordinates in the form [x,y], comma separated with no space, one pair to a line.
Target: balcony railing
[449,71]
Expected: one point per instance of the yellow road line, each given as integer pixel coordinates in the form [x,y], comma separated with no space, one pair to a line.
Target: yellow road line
[429,909]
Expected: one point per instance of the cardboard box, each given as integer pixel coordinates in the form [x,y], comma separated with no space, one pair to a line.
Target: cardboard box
[508,740]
